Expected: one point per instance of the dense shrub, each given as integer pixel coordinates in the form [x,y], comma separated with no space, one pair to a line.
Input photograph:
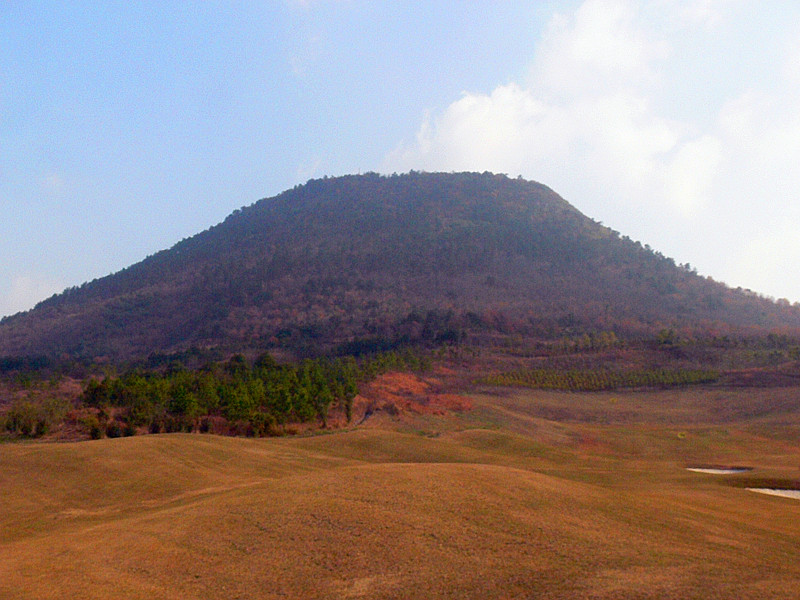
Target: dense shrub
[113,429]
[92,425]
[35,416]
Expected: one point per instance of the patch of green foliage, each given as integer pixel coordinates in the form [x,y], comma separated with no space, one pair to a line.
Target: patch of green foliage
[34,416]
[236,396]
[599,380]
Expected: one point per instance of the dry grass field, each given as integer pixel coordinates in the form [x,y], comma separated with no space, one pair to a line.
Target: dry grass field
[527,494]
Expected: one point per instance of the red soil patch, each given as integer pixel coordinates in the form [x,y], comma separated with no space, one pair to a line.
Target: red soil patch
[403,393]
[405,384]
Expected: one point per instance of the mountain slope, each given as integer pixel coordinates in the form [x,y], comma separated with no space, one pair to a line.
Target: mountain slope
[408,257]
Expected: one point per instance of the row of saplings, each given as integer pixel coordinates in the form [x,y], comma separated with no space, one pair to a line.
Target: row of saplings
[600,380]
[234,397]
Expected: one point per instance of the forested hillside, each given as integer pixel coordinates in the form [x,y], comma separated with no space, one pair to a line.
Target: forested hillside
[370,262]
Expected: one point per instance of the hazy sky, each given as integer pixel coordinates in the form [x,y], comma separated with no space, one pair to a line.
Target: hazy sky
[125,126]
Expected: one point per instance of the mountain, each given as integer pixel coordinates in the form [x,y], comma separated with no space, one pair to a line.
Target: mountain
[365,261]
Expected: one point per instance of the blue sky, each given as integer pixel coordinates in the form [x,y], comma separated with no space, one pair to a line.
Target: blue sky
[125,127]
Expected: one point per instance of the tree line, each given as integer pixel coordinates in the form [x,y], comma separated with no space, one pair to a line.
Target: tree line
[591,380]
[234,396]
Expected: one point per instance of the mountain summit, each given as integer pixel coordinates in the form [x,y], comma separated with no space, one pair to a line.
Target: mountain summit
[354,261]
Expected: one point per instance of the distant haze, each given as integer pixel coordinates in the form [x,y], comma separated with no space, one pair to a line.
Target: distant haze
[125,127]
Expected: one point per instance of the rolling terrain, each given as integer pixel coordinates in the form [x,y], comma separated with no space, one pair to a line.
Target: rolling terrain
[498,398]
[521,494]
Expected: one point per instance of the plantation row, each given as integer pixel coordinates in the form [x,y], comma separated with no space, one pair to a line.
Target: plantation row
[234,396]
[597,380]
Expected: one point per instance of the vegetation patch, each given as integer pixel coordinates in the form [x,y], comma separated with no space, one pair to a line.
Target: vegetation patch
[600,380]
[236,397]
[33,415]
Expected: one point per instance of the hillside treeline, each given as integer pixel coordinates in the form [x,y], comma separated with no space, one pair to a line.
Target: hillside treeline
[232,397]
[237,397]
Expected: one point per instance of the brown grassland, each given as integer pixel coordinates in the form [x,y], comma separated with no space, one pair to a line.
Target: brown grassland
[509,493]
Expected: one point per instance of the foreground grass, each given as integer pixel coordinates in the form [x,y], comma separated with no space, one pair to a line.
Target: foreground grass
[531,494]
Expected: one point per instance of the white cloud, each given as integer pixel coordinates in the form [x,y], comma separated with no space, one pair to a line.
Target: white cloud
[600,47]
[25,291]
[767,257]
[611,139]
[596,120]
[691,174]
[707,13]
[485,132]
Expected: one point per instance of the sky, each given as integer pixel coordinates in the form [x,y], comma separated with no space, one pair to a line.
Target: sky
[126,127]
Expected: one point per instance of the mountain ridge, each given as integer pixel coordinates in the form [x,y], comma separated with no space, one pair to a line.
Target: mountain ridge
[411,258]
